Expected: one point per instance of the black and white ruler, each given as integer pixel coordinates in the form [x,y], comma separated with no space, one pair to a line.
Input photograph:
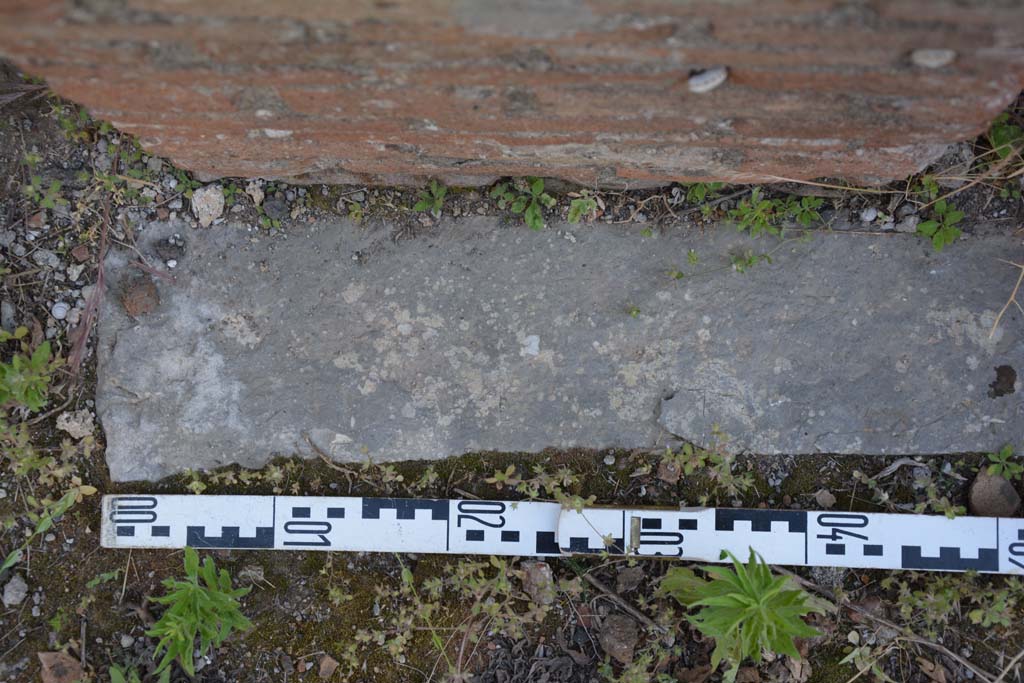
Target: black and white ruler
[486,527]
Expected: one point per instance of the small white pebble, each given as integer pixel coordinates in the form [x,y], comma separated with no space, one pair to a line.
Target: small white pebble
[708,79]
[869,214]
[609,460]
[60,310]
[932,58]
[172,263]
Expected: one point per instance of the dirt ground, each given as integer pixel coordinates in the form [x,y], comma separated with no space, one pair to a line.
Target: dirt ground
[313,610]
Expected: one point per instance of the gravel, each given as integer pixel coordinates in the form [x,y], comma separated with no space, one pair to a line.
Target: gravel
[708,80]
[60,310]
[208,204]
[933,58]
[15,591]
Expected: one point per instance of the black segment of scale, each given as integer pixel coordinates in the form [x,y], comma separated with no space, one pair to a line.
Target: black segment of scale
[195,536]
[949,559]
[870,550]
[581,544]
[547,544]
[405,508]
[655,524]
[155,530]
[761,520]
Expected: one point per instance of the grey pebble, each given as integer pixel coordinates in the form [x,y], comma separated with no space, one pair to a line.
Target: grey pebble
[127,641]
[7,316]
[45,257]
[60,310]
[15,591]
[933,58]
[276,208]
[908,224]
[707,80]
[868,215]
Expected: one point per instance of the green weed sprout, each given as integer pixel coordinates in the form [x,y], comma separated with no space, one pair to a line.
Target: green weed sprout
[744,609]
[207,608]
[431,199]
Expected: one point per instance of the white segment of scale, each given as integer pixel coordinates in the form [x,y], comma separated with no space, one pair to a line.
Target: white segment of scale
[529,528]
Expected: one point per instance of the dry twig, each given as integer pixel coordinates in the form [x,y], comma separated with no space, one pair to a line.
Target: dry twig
[1012,299]
[624,606]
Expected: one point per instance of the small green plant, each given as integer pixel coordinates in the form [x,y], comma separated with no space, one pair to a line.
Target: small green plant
[129,674]
[186,184]
[207,608]
[756,214]
[1003,465]
[355,211]
[529,201]
[555,485]
[1009,193]
[44,521]
[942,229]
[231,193]
[73,123]
[1005,136]
[715,461]
[43,196]
[580,208]
[120,674]
[928,603]
[804,210]
[747,259]
[266,222]
[928,187]
[930,482]
[431,199]
[698,192]
[744,609]
[866,658]
[103,577]
[759,214]
[25,380]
